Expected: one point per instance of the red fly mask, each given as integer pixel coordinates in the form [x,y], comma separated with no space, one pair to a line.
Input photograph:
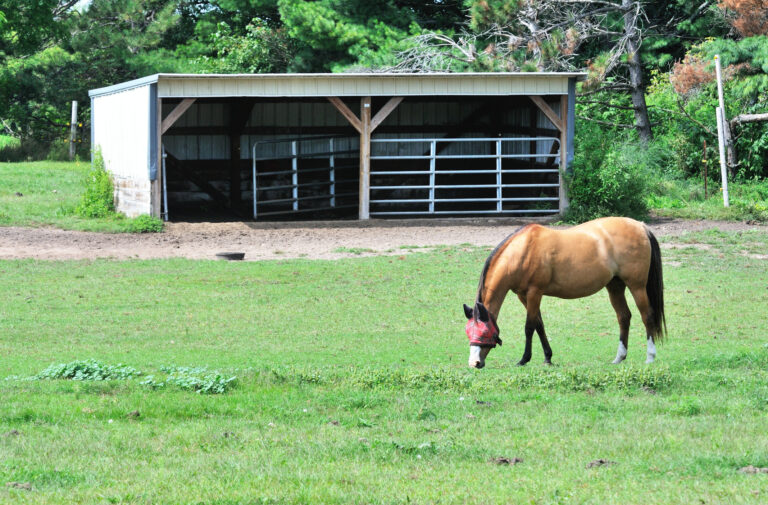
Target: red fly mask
[481,327]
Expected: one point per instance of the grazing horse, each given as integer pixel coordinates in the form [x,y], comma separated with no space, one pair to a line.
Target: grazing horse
[614,253]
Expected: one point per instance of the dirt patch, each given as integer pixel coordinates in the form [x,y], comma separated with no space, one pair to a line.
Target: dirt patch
[311,240]
[600,462]
[501,460]
[753,469]
[19,485]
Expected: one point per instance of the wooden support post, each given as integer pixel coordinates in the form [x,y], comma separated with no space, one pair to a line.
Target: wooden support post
[239,114]
[563,194]
[73,131]
[365,158]
[365,126]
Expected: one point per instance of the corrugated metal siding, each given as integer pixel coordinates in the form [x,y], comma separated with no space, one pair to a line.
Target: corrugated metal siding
[305,114]
[121,132]
[298,85]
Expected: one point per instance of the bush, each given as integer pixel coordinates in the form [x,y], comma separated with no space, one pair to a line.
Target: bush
[610,178]
[144,224]
[98,200]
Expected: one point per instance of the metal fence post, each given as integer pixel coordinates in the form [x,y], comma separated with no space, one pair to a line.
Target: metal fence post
[332,162]
[498,176]
[255,189]
[165,187]
[432,155]
[295,175]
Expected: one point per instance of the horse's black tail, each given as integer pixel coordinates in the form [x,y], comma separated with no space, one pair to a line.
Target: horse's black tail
[655,290]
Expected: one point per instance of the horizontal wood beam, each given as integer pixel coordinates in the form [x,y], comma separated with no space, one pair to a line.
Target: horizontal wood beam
[547,110]
[385,111]
[175,114]
[344,110]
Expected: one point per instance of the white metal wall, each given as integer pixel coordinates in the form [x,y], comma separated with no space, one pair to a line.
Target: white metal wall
[121,132]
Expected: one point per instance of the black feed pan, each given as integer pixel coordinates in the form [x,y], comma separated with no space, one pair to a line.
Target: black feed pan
[230,256]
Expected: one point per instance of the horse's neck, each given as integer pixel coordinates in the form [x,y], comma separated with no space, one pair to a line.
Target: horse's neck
[493,298]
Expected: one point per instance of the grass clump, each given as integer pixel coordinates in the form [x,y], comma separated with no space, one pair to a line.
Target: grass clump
[87,370]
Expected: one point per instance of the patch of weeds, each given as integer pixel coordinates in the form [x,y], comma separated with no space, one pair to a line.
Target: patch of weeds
[197,379]
[98,197]
[448,379]
[144,224]
[687,407]
[354,250]
[87,370]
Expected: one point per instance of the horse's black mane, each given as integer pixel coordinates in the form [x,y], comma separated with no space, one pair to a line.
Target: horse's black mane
[488,263]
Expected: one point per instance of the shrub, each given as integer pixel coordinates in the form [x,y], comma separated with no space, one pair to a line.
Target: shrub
[144,224]
[98,200]
[610,179]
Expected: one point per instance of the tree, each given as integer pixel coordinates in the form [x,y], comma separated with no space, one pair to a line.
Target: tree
[608,37]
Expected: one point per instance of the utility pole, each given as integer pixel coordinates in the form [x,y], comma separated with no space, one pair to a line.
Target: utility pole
[720,112]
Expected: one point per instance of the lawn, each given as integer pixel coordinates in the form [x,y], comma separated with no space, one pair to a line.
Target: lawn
[352,385]
[46,193]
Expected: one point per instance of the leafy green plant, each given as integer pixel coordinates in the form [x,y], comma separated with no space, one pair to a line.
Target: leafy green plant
[87,370]
[197,379]
[609,179]
[144,224]
[98,199]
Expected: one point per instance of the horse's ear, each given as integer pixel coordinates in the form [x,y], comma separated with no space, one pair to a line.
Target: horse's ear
[468,311]
[482,313]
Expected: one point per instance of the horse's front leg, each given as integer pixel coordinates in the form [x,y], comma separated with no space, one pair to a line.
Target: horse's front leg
[532,302]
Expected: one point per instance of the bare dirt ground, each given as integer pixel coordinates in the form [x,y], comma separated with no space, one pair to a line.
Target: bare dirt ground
[312,240]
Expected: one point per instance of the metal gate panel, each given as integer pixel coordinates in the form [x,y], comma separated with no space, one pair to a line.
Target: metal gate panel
[282,187]
[481,184]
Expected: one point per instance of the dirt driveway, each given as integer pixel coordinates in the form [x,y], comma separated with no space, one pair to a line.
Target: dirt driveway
[316,240]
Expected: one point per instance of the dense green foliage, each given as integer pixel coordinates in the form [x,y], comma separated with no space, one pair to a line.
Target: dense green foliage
[355,397]
[98,198]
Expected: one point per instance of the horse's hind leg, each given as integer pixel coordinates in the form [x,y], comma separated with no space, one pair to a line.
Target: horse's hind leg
[644,306]
[616,290]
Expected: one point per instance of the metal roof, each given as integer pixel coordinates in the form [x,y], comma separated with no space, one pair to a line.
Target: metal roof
[368,84]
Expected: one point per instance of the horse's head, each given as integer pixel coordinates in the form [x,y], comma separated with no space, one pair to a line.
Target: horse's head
[483,334]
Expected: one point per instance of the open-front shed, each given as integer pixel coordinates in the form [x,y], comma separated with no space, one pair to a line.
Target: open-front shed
[282,146]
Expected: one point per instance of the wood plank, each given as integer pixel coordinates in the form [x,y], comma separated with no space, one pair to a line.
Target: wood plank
[385,111]
[175,114]
[365,158]
[344,110]
[239,114]
[547,110]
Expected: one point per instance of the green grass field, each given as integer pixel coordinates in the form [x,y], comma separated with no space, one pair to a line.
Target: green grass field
[46,193]
[352,385]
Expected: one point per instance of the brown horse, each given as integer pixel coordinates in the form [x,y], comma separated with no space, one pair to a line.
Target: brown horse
[614,253]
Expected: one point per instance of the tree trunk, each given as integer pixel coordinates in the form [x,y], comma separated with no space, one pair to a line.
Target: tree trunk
[642,122]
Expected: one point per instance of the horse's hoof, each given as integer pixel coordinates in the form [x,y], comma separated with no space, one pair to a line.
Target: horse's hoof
[522,363]
[548,363]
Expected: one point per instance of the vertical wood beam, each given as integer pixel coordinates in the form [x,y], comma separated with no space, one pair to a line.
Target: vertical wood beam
[365,158]
[563,194]
[239,114]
